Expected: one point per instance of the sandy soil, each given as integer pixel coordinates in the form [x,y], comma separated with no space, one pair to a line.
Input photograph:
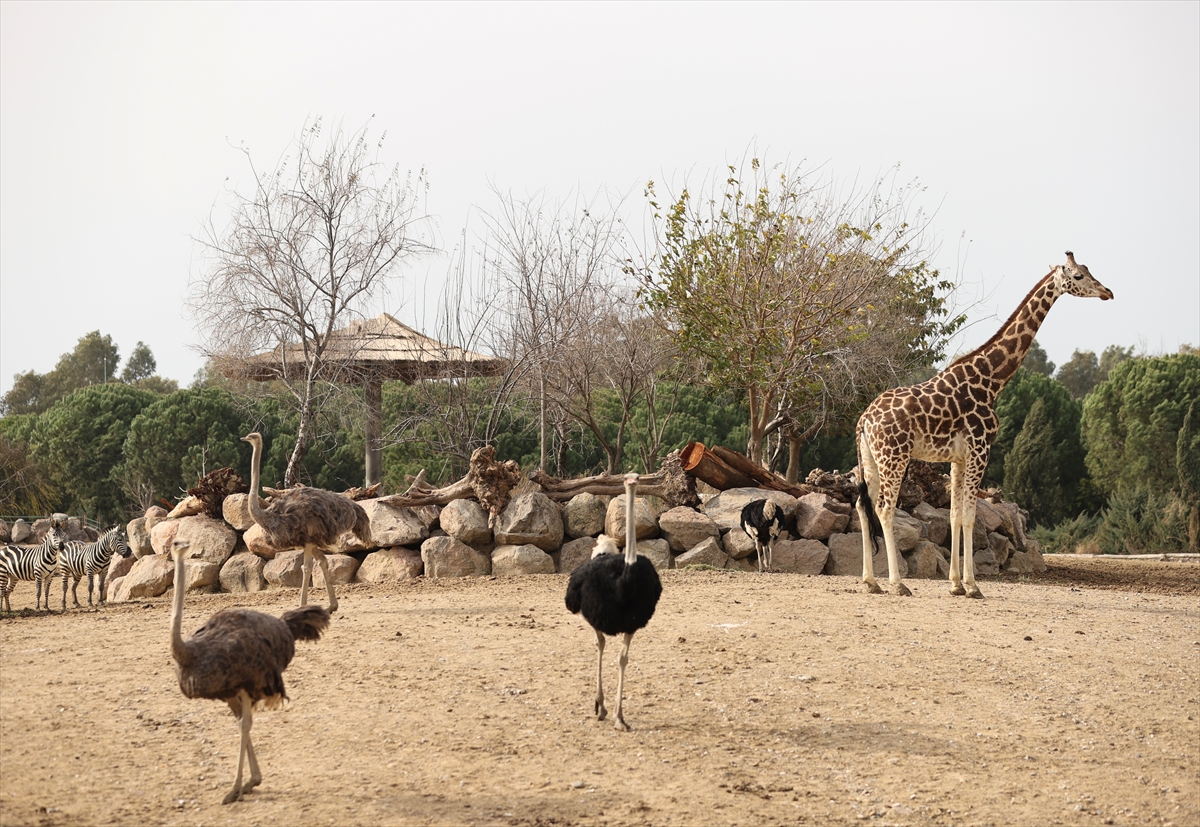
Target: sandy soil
[1066,698]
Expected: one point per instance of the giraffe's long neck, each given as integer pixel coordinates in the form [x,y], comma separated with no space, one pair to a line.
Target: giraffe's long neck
[998,358]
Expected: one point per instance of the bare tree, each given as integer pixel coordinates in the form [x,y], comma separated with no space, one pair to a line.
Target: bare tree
[304,254]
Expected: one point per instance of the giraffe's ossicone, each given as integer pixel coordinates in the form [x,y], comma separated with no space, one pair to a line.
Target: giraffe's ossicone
[951,418]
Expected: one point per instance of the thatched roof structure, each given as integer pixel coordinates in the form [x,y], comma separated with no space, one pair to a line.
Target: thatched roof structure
[369,352]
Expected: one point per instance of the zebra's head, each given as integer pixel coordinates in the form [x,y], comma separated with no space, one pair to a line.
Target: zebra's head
[56,538]
[119,540]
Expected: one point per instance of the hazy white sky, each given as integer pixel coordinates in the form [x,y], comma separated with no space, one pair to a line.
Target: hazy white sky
[1036,128]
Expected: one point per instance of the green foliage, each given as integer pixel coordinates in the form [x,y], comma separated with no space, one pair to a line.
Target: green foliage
[25,487]
[1131,423]
[80,441]
[1084,371]
[1066,537]
[1141,521]
[93,362]
[1032,469]
[178,439]
[141,364]
[1037,360]
[1063,416]
[1187,463]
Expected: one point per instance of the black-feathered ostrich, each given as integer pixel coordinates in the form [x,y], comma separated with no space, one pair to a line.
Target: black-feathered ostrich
[307,518]
[617,595]
[762,520]
[238,657]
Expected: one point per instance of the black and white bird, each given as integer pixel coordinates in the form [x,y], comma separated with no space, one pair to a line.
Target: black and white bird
[762,520]
[617,595]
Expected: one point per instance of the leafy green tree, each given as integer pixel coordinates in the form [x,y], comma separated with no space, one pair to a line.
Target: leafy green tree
[141,364]
[25,486]
[1114,355]
[1032,474]
[1012,408]
[773,281]
[1187,463]
[25,396]
[1131,423]
[1037,360]
[178,439]
[81,439]
[1080,373]
[93,362]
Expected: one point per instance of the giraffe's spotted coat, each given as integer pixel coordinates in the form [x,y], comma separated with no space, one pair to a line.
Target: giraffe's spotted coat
[952,418]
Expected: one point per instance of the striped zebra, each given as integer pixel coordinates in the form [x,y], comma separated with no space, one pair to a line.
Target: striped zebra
[78,559]
[30,563]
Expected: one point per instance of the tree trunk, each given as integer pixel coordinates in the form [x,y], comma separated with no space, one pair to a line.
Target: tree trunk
[292,475]
[374,430]
[793,466]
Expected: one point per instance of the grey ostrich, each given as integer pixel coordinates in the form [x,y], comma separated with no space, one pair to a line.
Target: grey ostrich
[308,518]
[238,656]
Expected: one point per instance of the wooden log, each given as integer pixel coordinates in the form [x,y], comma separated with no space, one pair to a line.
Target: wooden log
[763,477]
[703,464]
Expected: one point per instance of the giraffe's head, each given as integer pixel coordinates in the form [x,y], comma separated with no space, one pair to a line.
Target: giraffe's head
[1077,280]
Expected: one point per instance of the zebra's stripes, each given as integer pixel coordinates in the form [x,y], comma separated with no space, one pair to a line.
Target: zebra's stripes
[77,559]
[30,563]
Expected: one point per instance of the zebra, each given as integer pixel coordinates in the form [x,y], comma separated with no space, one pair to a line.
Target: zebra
[78,559]
[30,563]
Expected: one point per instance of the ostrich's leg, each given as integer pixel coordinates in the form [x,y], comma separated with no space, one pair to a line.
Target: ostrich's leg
[759,549]
[601,712]
[305,575]
[244,721]
[328,580]
[620,722]
[255,775]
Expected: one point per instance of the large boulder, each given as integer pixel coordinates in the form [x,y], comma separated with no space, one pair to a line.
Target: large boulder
[1033,550]
[575,553]
[390,526]
[154,515]
[645,525]
[200,576]
[738,544]
[846,557]
[391,565]
[149,577]
[1014,523]
[707,553]
[908,531]
[926,561]
[657,551]
[524,559]
[139,538]
[937,523]
[255,540]
[819,515]
[467,522]
[1001,547]
[5,532]
[120,566]
[531,518]
[285,569]
[162,536]
[799,556]
[447,557]
[243,573]
[985,563]
[341,570]
[684,528]
[21,531]
[726,508]
[235,509]
[210,539]
[583,515]
[987,514]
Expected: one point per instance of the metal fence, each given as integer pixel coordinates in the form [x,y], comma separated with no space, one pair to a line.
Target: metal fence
[32,518]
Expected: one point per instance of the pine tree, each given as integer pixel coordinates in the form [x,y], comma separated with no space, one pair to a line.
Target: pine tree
[1031,471]
[1187,464]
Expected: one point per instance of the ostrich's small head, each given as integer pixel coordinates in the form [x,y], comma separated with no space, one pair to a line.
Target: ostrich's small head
[180,548]
[254,439]
[631,479]
[604,545]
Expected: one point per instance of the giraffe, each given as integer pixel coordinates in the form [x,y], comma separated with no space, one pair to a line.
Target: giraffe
[950,418]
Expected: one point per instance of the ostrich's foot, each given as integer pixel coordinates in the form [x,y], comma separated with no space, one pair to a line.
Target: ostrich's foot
[232,796]
[620,724]
[975,593]
[873,588]
[250,785]
[957,590]
[601,712]
[902,590]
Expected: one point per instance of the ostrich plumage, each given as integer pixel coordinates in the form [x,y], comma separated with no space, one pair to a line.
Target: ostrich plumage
[308,518]
[617,595]
[762,520]
[238,657]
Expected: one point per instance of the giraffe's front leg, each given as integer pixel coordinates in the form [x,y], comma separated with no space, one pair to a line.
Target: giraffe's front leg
[956,507]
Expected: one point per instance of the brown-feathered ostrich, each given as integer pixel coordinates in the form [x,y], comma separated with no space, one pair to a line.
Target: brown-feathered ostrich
[238,656]
[308,518]
[617,595]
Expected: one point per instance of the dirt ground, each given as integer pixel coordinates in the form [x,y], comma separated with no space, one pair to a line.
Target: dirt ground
[1067,698]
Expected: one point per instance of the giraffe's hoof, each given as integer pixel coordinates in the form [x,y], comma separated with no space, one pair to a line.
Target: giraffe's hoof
[873,588]
[975,593]
[231,796]
[958,590]
[902,590]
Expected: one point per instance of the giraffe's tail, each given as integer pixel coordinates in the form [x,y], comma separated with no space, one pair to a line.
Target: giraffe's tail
[864,497]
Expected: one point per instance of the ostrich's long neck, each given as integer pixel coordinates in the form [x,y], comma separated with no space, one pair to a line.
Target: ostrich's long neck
[999,357]
[630,526]
[252,503]
[178,650]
